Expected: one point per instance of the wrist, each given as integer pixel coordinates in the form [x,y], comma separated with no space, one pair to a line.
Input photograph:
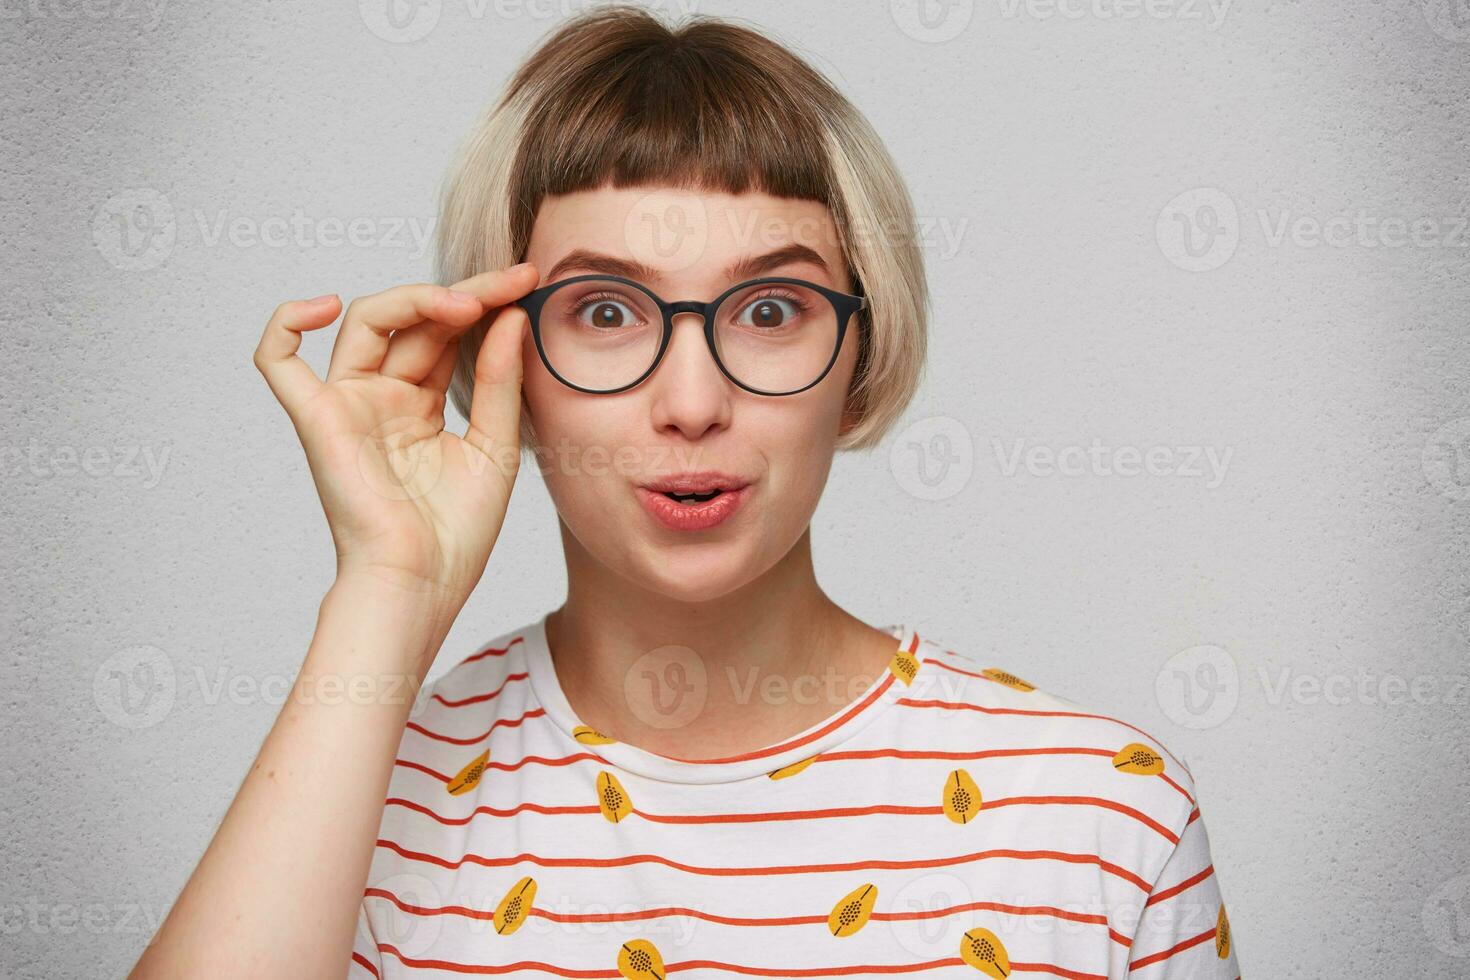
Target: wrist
[390,625]
[396,586]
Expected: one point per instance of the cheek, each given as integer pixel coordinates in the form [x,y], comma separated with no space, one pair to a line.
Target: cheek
[578,437]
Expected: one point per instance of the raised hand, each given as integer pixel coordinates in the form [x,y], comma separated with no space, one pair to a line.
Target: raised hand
[408,502]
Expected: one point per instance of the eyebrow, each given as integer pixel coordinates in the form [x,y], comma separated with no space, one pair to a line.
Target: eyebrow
[748,267]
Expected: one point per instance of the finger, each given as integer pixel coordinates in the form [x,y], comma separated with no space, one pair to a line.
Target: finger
[362,342]
[290,378]
[413,353]
[495,406]
[438,379]
[501,286]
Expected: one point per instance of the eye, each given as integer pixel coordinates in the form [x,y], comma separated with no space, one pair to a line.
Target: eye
[770,311]
[604,312]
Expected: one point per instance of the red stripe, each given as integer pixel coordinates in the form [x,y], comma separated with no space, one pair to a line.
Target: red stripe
[641,915]
[501,968]
[476,699]
[1187,883]
[777,816]
[564,760]
[490,810]
[1164,955]
[492,651]
[1182,791]
[874,864]
[1055,971]
[961,756]
[363,962]
[499,723]
[842,719]
[753,971]
[852,755]
[422,768]
[958,705]
[1128,811]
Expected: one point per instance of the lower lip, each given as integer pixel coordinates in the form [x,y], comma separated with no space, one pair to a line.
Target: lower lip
[691,517]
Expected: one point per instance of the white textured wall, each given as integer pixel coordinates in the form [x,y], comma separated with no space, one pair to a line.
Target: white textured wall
[1294,620]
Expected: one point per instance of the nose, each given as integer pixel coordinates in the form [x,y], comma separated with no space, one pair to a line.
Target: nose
[690,394]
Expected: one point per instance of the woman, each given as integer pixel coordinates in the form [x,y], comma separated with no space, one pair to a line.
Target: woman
[692,255]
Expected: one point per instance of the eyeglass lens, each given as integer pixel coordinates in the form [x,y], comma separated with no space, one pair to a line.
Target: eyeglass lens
[772,337]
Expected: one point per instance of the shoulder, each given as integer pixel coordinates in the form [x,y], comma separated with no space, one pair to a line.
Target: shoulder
[1075,750]
[483,690]
[454,715]
[479,676]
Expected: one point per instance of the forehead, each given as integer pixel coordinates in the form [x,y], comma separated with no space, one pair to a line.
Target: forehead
[687,235]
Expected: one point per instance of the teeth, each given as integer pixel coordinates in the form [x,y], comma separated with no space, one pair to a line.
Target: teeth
[689,498]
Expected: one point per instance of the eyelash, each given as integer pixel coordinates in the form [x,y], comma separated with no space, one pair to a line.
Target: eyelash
[772,292]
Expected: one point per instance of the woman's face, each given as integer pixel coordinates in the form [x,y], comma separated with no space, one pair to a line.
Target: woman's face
[599,451]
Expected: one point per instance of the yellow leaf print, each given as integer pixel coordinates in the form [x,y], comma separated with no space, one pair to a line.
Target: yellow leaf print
[515,906]
[1138,759]
[1008,679]
[904,666]
[638,959]
[792,769]
[961,797]
[1222,935]
[984,951]
[591,736]
[852,912]
[612,798]
[466,778]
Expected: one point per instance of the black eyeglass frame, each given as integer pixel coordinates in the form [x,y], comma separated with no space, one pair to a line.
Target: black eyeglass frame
[844,304]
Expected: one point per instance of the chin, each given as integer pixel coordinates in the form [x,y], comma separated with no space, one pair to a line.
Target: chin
[694,573]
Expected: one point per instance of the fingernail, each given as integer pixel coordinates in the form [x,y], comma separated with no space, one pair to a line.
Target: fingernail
[323,299]
[461,296]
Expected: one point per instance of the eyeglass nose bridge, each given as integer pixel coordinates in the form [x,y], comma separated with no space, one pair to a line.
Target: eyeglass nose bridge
[706,314]
[672,310]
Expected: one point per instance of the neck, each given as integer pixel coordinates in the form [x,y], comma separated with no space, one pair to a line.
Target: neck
[712,678]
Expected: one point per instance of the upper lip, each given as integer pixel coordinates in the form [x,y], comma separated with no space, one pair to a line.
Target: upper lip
[702,482]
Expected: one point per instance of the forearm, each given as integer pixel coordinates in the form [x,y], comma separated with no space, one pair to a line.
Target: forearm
[278,889]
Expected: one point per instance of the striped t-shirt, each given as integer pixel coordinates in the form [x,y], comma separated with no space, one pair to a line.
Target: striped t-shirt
[952,821]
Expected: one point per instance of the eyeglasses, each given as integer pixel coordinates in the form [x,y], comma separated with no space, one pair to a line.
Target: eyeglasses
[770,336]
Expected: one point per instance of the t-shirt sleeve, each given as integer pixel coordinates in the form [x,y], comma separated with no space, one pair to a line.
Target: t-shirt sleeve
[366,961]
[1183,932]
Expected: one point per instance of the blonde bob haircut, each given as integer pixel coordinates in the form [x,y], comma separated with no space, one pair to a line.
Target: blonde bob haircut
[615,96]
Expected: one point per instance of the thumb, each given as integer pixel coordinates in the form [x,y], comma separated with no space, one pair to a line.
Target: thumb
[495,405]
